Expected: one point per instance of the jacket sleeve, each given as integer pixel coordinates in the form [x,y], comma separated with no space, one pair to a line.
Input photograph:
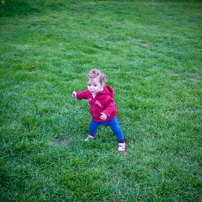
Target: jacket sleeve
[110,106]
[82,95]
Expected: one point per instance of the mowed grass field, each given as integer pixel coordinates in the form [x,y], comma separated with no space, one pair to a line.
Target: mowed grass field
[151,54]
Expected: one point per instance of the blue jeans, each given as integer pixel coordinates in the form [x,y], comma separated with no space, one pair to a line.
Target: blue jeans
[112,123]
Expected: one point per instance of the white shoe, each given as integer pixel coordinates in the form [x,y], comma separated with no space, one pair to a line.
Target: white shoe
[89,137]
[122,147]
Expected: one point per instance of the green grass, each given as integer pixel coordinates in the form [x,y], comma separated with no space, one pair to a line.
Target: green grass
[151,54]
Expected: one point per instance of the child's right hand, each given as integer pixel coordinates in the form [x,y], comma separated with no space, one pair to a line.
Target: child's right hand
[74,93]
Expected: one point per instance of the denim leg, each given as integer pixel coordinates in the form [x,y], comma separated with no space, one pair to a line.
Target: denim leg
[113,123]
[93,127]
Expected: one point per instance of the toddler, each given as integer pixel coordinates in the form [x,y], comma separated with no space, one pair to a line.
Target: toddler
[102,107]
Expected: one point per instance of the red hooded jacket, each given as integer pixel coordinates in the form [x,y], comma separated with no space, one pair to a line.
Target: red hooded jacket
[103,102]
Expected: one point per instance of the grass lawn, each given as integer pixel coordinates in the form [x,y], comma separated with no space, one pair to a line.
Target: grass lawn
[151,52]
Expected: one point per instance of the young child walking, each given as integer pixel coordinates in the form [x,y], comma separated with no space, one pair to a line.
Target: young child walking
[102,107]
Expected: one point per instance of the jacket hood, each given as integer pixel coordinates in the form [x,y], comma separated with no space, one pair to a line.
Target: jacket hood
[107,91]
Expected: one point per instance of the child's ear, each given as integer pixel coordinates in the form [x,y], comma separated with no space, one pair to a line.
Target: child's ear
[102,80]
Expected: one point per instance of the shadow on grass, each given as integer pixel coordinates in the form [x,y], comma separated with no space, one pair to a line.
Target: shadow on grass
[22,7]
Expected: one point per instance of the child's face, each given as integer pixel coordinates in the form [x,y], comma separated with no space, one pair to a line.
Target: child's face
[94,85]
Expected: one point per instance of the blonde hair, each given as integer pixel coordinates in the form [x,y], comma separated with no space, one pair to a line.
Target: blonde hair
[94,73]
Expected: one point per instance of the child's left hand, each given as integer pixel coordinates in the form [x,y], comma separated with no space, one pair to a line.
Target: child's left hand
[74,93]
[104,116]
